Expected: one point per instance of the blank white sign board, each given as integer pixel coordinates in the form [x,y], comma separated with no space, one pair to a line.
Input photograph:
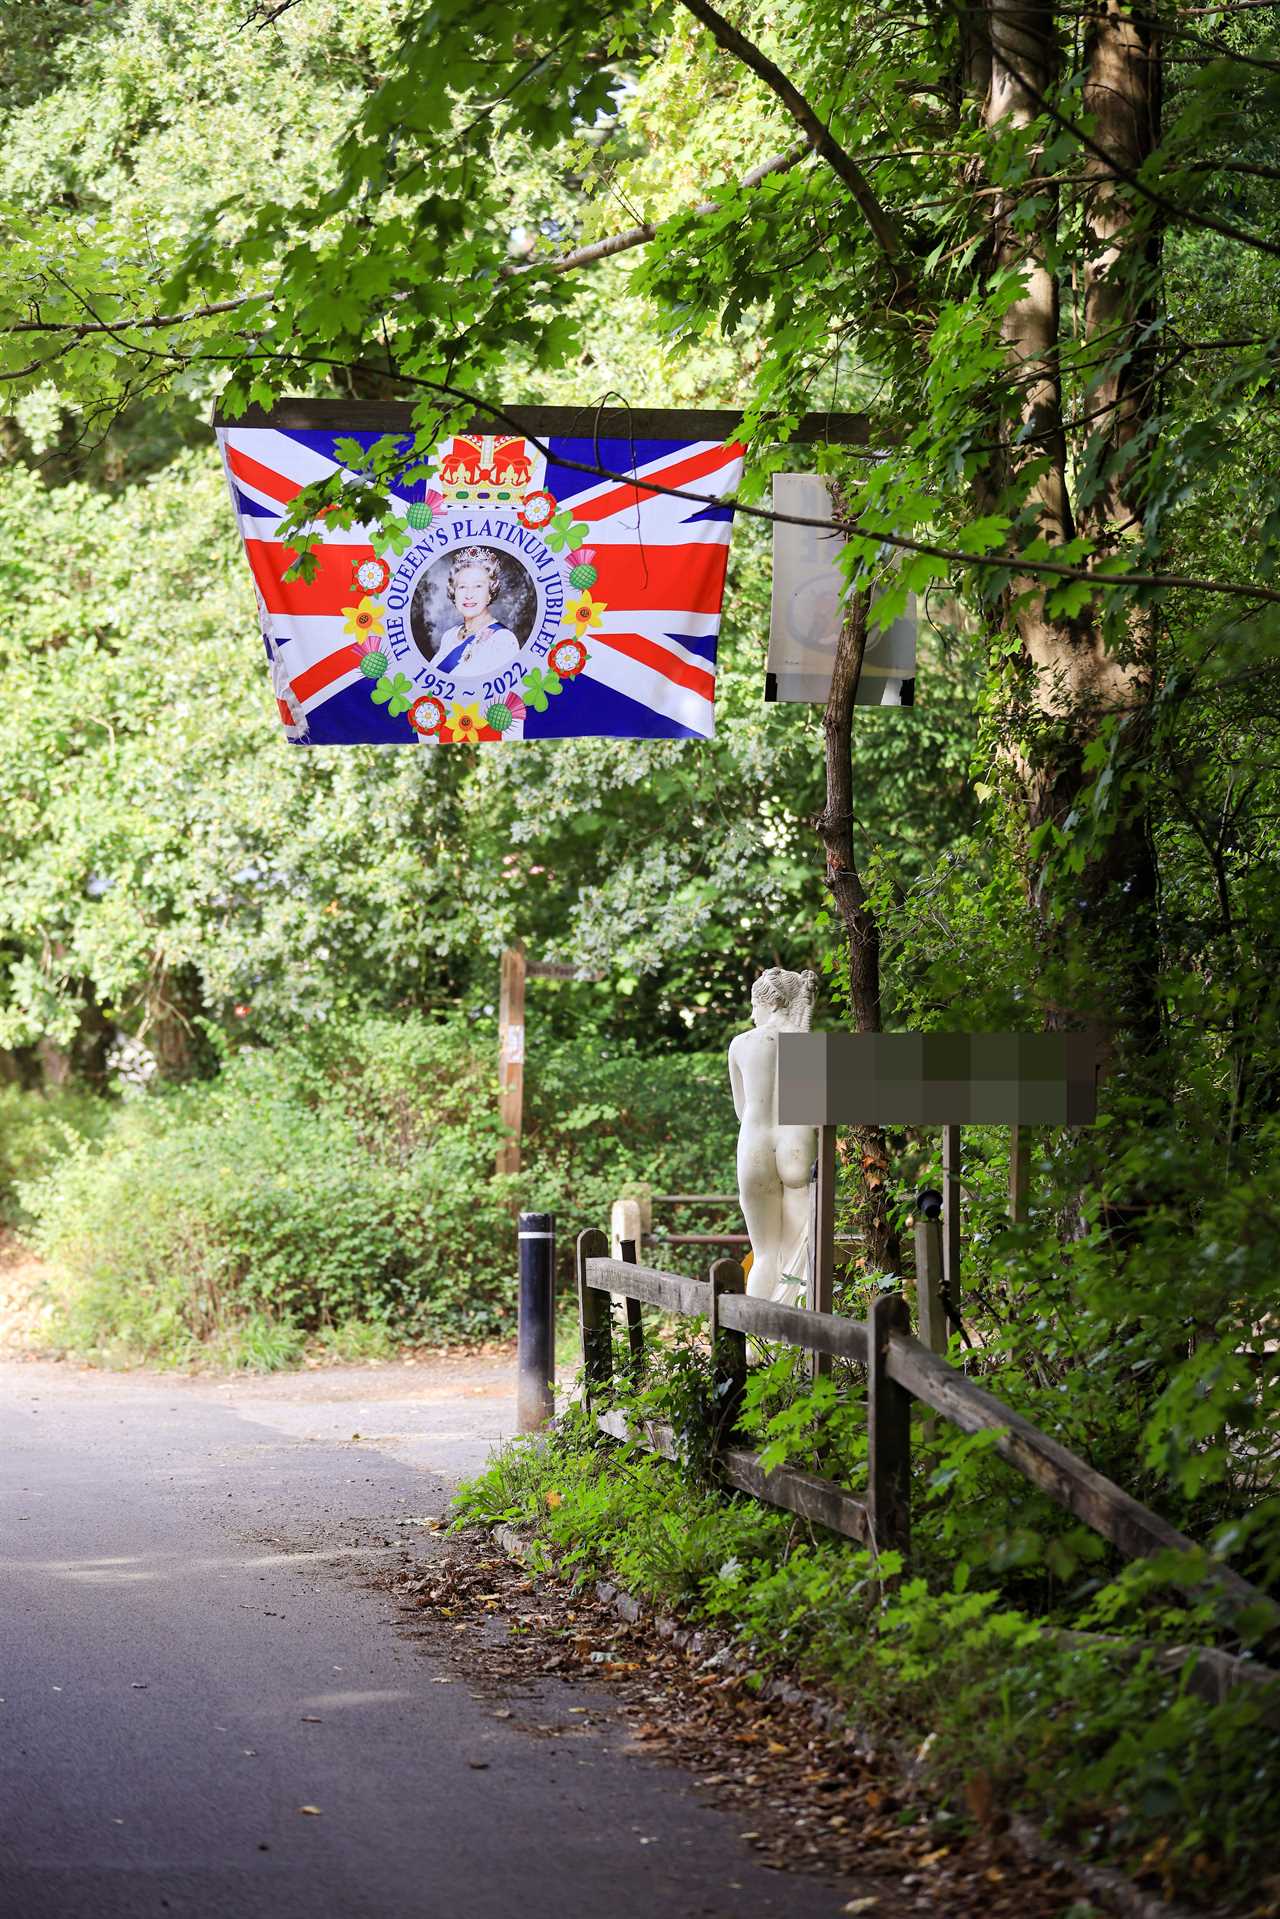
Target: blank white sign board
[808,609]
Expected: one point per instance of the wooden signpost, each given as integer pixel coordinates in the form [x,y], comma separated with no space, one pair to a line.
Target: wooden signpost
[516,969]
[511,1055]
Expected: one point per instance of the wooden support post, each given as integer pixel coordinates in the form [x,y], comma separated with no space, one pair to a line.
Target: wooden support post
[1019,1173]
[951,1216]
[929,1283]
[888,1430]
[629,1251]
[728,1350]
[823,1242]
[628,1219]
[593,1317]
[511,1055]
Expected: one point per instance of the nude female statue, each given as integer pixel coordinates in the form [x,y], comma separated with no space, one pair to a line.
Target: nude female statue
[774,1161]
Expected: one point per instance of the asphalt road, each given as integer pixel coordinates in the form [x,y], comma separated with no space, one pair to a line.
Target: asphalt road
[191,1651]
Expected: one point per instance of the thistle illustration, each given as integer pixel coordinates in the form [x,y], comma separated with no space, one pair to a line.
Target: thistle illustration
[581,571]
[373,661]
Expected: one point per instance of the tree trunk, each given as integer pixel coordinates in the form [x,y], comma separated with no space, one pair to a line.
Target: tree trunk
[1099,945]
[1122,96]
[862,932]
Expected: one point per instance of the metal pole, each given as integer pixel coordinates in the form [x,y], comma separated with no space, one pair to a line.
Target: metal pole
[536,1335]
[951,1215]
[823,1261]
[1019,1174]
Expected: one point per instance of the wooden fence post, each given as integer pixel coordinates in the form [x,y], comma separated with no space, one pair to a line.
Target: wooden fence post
[930,1294]
[627,1221]
[627,1250]
[728,1350]
[594,1316]
[888,1430]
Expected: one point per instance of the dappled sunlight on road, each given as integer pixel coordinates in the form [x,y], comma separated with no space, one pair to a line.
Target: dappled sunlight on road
[337,1701]
[117,1572]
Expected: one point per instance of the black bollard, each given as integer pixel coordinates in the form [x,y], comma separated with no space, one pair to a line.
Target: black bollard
[536,1337]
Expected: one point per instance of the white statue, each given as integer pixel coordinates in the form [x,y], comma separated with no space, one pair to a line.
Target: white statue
[774,1162]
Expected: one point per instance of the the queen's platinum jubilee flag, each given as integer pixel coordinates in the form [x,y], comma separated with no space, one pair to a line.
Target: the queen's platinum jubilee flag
[517,599]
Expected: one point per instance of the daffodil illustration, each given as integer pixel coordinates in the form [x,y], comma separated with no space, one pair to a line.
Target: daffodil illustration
[393,693]
[536,686]
[464,724]
[564,532]
[583,613]
[363,620]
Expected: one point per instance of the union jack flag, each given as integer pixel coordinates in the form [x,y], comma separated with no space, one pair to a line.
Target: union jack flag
[605,595]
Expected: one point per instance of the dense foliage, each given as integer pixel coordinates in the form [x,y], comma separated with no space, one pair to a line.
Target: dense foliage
[342,1180]
[1039,247]
[246,995]
[1015,1682]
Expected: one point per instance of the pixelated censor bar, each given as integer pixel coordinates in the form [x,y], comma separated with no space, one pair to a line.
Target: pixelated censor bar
[936,1079]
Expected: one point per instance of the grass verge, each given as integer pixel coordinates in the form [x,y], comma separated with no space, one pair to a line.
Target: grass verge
[1098,1743]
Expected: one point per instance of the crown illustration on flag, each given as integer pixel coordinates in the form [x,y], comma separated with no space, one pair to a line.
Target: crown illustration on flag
[485,470]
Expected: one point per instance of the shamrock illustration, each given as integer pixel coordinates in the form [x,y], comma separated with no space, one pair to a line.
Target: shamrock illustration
[395,694]
[564,532]
[537,686]
[390,536]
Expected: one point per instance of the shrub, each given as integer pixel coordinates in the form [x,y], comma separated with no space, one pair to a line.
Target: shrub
[35,1130]
[350,1179]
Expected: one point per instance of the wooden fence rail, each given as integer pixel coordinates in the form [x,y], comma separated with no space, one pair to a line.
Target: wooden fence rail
[899,1369]
[639,1220]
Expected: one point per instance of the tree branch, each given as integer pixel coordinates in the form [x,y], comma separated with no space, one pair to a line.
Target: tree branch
[640,236]
[816,132]
[78,328]
[1166,206]
[861,927]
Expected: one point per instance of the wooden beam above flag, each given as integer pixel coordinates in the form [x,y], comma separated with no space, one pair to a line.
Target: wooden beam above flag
[576,422]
